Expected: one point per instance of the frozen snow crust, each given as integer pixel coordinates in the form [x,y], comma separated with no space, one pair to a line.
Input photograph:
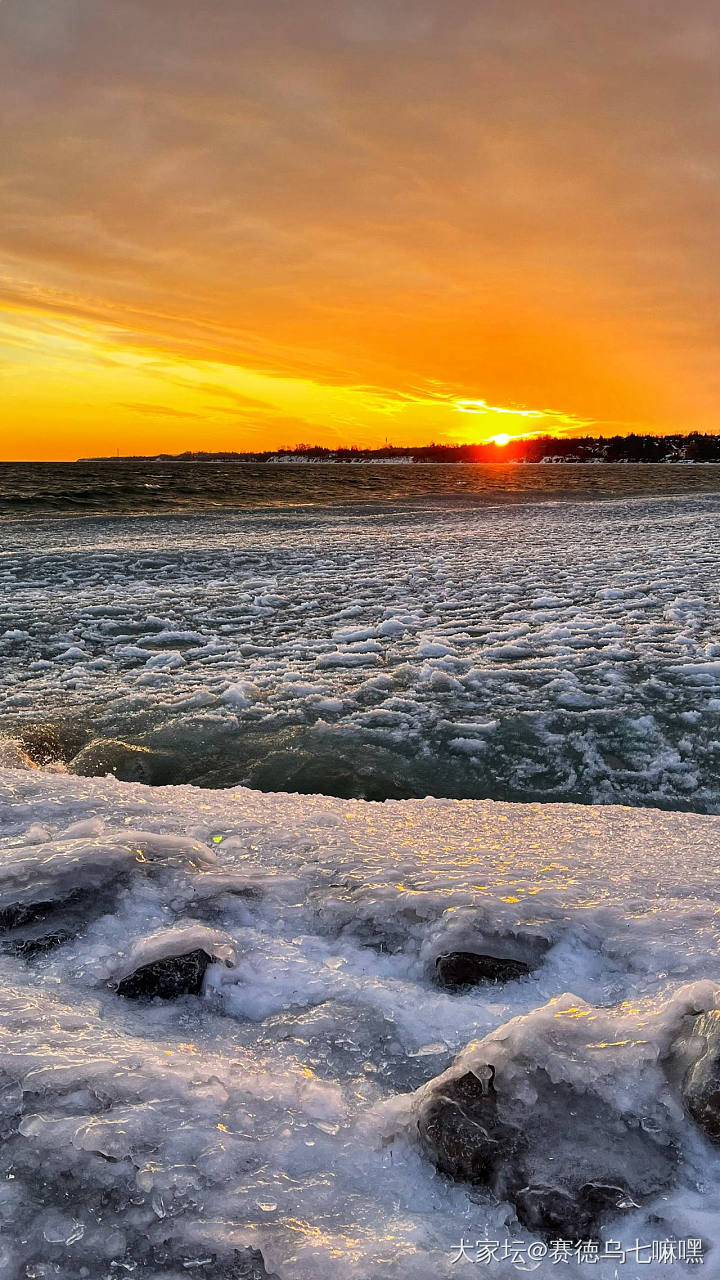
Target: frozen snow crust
[547,651]
[285,1108]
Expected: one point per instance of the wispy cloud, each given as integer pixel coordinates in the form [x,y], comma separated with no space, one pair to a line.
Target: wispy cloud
[499,204]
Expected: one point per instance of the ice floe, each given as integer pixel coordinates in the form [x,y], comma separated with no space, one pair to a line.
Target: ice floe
[563,651]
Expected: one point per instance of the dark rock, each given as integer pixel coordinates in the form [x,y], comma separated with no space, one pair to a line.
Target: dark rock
[468,968]
[564,1157]
[701,1086]
[575,1215]
[41,937]
[80,906]
[460,1127]
[167,978]
[15,914]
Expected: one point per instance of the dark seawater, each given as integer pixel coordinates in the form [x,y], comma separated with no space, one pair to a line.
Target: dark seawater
[141,488]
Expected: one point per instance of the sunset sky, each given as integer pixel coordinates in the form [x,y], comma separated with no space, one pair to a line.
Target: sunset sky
[240,224]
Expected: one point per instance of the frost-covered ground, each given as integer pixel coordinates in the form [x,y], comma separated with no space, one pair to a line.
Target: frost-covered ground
[550,651]
[273,1109]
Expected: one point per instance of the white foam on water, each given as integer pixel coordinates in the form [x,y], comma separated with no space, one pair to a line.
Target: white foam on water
[346,650]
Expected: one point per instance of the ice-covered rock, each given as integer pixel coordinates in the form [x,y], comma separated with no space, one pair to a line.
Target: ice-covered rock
[39,878]
[50,892]
[172,963]
[563,1143]
[701,1086]
[163,1262]
[276,1113]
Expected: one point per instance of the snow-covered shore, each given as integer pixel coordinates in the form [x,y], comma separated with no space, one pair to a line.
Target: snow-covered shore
[274,1111]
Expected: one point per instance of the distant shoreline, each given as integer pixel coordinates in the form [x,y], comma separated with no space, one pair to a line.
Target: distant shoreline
[382,462]
[690,448]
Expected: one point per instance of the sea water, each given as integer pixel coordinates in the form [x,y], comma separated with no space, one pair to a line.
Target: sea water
[488,645]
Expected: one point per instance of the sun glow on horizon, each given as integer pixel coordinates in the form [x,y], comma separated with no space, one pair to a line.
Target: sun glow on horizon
[104,389]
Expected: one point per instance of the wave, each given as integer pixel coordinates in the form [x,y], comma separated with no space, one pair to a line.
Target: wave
[142,488]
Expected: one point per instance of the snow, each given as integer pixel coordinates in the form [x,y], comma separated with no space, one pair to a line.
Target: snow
[276,1110]
[268,647]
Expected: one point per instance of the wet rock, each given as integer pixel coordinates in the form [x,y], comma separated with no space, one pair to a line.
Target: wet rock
[561,1153]
[701,1086]
[461,1129]
[167,979]
[130,762]
[458,969]
[575,1214]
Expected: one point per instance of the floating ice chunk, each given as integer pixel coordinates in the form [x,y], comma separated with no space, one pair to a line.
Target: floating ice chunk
[345,659]
[168,661]
[468,746]
[434,649]
[242,694]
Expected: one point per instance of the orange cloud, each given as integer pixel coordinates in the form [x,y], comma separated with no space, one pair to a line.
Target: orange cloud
[503,205]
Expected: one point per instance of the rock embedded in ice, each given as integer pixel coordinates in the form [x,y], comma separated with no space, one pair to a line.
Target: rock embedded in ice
[62,884]
[43,935]
[167,979]
[172,963]
[564,1151]
[166,1263]
[701,1086]
[457,969]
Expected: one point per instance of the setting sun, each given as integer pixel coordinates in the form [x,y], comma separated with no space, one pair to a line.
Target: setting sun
[502,439]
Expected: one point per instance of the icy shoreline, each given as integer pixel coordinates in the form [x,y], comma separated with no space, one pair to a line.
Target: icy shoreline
[272,1111]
